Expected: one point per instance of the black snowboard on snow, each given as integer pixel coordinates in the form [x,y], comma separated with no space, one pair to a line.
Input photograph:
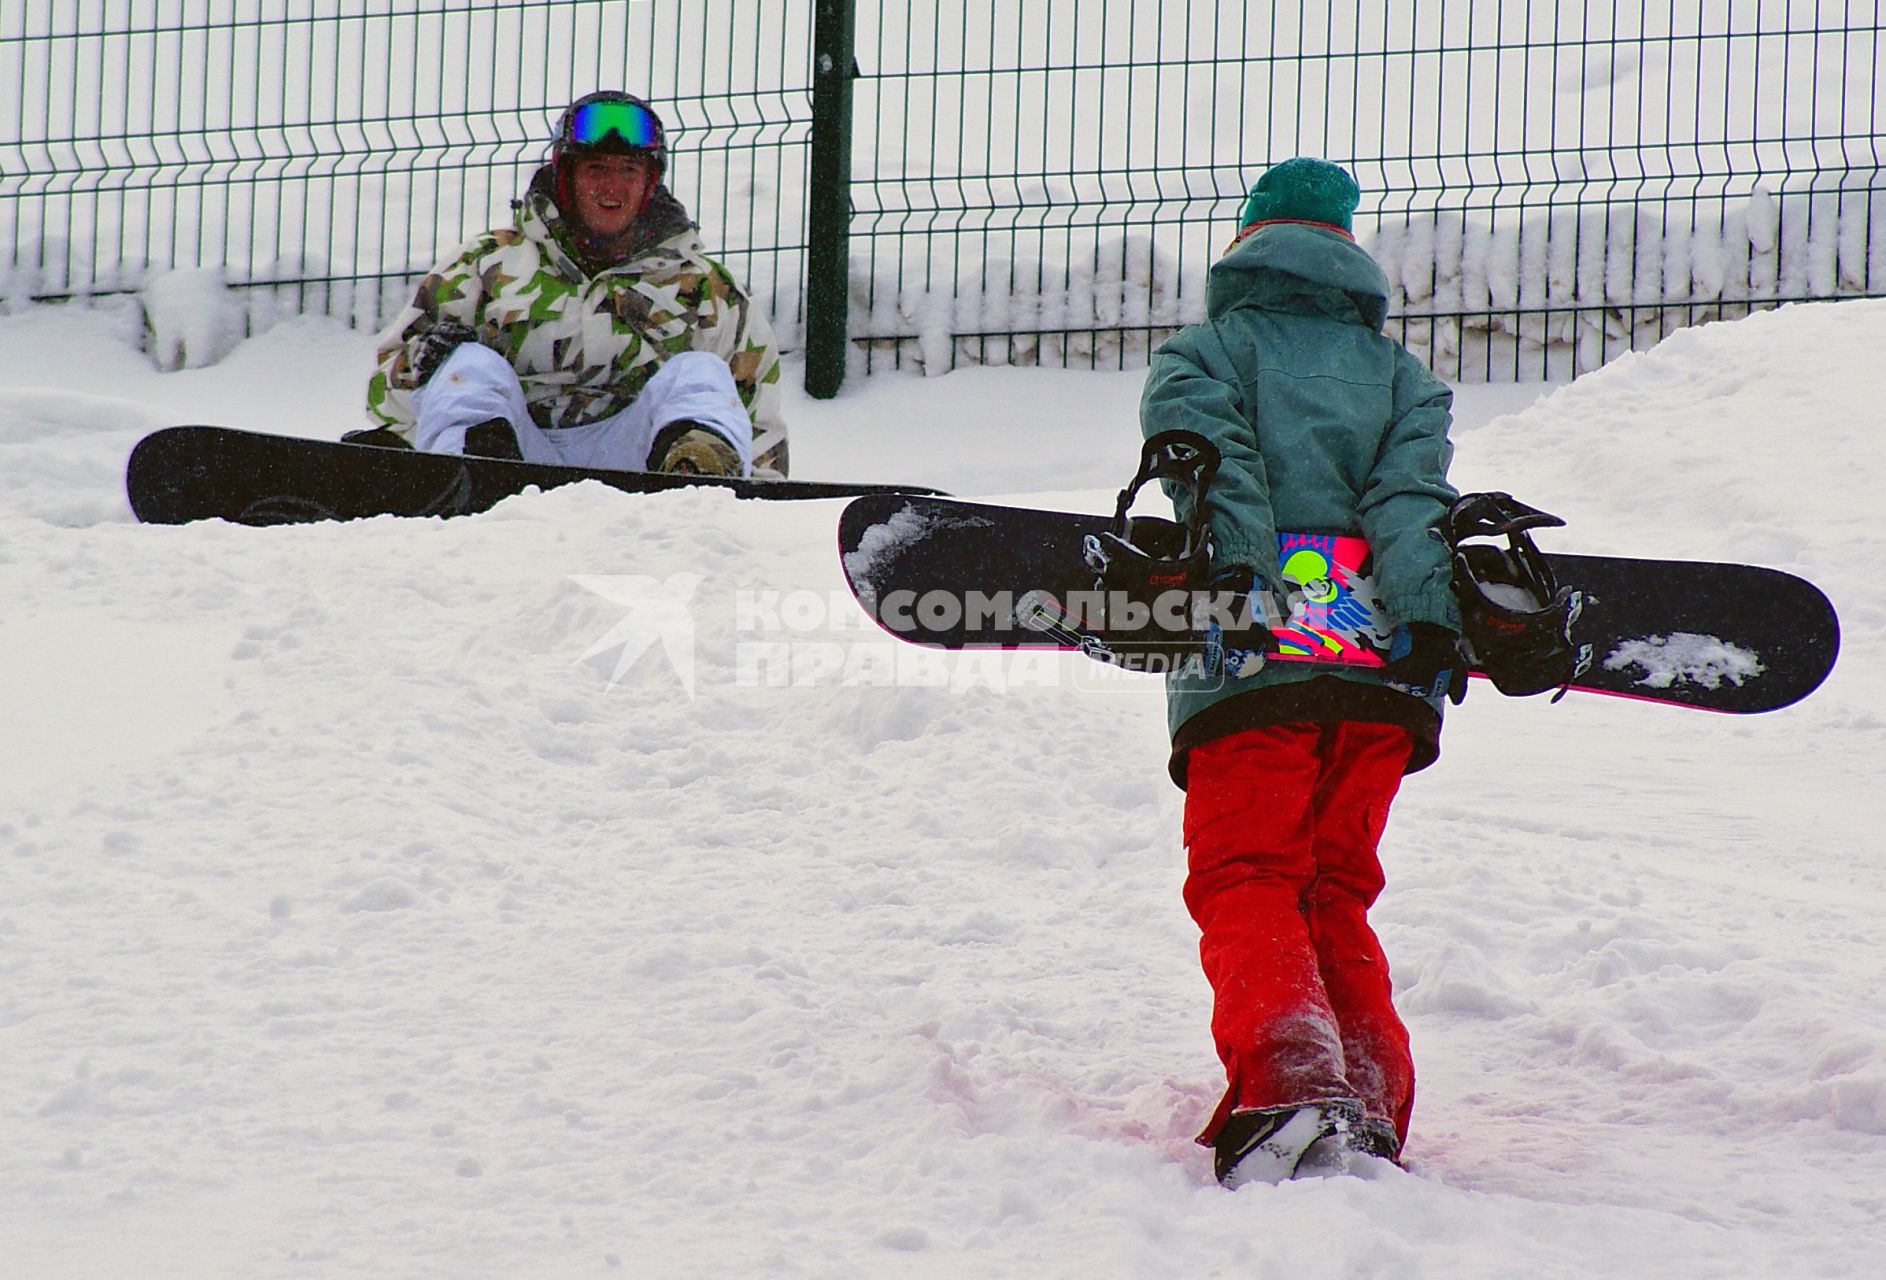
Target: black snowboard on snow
[189,473]
[1724,637]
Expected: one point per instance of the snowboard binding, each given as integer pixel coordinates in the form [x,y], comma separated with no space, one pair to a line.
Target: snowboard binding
[1142,557]
[1515,614]
[1153,575]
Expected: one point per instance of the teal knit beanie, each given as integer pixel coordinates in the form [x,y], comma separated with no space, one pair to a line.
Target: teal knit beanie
[1303,190]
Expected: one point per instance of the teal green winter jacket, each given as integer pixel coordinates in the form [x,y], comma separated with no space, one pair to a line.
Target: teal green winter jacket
[1326,426]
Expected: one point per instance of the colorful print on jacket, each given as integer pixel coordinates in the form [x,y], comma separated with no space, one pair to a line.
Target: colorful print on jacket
[584,343]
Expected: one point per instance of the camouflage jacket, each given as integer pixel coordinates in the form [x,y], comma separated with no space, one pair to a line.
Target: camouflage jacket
[585,342]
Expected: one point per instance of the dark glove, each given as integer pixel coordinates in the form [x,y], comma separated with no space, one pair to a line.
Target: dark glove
[1236,611]
[1427,658]
[431,348]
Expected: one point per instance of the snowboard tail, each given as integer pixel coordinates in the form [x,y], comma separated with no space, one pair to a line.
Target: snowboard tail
[957,575]
[186,473]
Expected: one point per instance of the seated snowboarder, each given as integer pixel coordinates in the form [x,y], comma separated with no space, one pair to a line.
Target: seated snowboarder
[1327,426]
[592,332]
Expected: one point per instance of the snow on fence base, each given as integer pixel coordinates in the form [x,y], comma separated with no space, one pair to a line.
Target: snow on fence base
[1487,295]
[1559,291]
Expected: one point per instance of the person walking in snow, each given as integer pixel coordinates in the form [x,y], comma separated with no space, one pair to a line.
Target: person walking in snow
[1327,426]
[594,331]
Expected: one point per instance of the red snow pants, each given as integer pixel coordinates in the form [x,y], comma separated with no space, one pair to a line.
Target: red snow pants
[1281,828]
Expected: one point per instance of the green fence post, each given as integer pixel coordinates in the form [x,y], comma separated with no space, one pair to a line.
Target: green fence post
[828,213]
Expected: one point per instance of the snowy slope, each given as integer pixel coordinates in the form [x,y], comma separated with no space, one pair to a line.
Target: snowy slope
[354,923]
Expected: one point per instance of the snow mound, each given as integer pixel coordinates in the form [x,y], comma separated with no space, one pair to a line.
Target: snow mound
[192,317]
[384,900]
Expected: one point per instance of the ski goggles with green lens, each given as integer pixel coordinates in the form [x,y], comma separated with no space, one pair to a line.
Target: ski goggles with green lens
[590,123]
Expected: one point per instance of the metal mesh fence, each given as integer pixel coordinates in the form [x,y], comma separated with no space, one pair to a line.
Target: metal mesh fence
[1547,182]
[332,150]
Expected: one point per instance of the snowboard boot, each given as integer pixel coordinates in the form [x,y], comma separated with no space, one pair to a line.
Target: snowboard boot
[492,439]
[1268,1144]
[1371,1137]
[379,437]
[1354,1148]
[687,448]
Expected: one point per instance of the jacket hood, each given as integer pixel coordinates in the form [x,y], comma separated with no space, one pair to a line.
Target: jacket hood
[1296,267]
[539,218]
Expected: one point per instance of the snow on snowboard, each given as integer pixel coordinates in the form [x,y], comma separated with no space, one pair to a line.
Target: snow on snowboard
[189,473]
[958,575]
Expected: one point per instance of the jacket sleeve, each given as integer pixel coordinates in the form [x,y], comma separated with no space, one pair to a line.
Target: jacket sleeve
[1181,395]
[733,328]
[1406,496]
[453,290]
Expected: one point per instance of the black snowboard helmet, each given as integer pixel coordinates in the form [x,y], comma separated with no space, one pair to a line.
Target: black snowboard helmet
[607,122]
[1514,612]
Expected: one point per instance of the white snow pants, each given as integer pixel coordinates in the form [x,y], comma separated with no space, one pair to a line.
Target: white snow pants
[476,384]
